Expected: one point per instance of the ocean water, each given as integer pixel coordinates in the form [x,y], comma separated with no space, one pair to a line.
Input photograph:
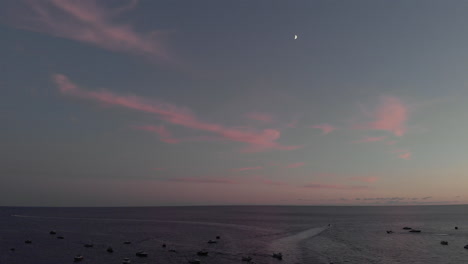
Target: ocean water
[304,234]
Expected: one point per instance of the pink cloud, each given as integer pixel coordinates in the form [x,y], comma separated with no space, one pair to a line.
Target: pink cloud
[262,117]
[258,140]
[248,168]
[326,128]
[335,186]
[370,139]
[391,115]
[406,155]
[88,22]
[364,179]
[295,165]
[163,133]
[203,180]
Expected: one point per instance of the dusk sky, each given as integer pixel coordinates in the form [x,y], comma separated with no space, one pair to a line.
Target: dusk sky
[140,103]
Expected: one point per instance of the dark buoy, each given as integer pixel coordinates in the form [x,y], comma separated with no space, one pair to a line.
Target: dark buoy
[163,245]
[218,237]
[110,250]
[443,242]
[466,246]
[202,253]
[456,228]
[88,245]
[12,249]
[248,258]
[127,242]
[141,254]
[28,242]
[278,255]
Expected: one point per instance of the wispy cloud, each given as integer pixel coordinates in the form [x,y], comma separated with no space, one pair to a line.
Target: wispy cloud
[262,117]
[257,140]
[406,155]
[364,179]
[294,165]
[203,180]
[248,168]
[370,139]
[91,23]
[390,115]
[335,186]
[326,128]
[163,133]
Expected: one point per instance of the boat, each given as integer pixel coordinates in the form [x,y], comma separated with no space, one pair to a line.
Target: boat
[126,261]
[466,246]
[389,232]
[212,241]
[163,245]
[60,237]
[456,228]
[407,228]
[12,249]
[202,253]
[110,250]
[88,245]
[248,258]
[52,232]
[415,231]
[278,255]
[28,242]
[141,254]
[127,242]
[218,237]
[443,242]
[78,258]
[194,261]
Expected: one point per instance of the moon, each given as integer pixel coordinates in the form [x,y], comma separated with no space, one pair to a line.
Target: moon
[295,36]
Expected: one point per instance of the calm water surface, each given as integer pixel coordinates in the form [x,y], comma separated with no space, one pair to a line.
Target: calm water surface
[355,234]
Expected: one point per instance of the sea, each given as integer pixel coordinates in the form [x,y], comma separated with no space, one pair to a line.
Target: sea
[303,234]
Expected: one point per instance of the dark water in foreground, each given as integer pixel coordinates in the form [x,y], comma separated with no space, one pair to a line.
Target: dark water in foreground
[356,234]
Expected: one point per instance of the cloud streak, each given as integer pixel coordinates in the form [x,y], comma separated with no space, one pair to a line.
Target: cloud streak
[390,115]
[88,22]
[326,128]
[335,186]
[257,140]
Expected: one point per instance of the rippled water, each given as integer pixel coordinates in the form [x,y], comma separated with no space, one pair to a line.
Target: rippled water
[302,234]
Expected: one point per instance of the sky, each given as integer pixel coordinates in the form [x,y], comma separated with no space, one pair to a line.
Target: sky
[148,103]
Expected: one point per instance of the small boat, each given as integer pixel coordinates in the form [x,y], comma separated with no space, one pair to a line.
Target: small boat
[141,254]
[278,255]
[465,247]
[28,242]
[126,261]
[212,241]
[194,261]
[415,231]
[52,232]
[443,242]
[218,237]
[248,258]
[60,237]
[127,242]
[456,228]
[78,258]
[407,228]
[202,253]
[12,249]
[163,245]
[110,250]
[389,232]
[88,245]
